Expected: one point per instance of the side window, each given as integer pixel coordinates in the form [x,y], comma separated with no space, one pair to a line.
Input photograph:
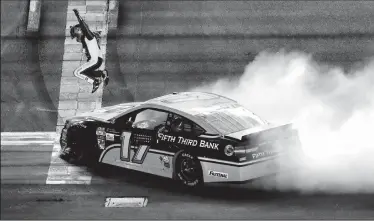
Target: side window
[179,124]
[187,127]
[149,119]
[197,130]
[123,122]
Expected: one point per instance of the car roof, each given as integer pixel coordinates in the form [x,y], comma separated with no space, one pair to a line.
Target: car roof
[195,106]
[193,103]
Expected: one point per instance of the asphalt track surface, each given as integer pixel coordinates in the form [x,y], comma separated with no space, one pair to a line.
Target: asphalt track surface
[24,195]
[24,169]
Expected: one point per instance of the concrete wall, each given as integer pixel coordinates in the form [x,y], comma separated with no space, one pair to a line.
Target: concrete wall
[31,66]
[166,46]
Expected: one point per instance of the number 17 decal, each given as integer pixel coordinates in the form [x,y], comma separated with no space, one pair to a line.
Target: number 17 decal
[140,153]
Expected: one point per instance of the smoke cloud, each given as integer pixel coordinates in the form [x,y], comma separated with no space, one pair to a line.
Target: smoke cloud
[333,110]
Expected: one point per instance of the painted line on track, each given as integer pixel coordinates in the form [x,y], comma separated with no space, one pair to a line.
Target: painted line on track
[27,138]
[61,172]
[27,142]
[27,135]
[120,202]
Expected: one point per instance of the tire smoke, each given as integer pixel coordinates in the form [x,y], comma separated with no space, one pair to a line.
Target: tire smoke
[333,110]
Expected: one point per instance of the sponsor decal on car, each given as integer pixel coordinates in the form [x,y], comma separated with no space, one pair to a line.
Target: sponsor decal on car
[81,125]
[188,142]
[218,174]
[111,130]
[165,161]
[251,150]
[109,136]
[263,154]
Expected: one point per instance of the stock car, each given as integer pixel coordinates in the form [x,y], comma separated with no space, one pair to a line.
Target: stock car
[191,137]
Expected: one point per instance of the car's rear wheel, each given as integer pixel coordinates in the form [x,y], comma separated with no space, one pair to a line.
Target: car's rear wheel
[188,170]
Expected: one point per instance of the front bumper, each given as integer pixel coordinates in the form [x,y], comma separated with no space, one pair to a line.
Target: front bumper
[64,139]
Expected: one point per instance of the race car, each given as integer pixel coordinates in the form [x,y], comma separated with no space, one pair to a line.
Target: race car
[191,137]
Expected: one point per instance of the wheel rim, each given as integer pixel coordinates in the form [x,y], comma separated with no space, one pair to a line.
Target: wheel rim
[189,169]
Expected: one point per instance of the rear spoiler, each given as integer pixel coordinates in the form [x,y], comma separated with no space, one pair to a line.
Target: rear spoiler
[274,133]
[271,132]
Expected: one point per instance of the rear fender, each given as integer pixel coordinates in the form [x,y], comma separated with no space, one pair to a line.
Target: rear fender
[269,142]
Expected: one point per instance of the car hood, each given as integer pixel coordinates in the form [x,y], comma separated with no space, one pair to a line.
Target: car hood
[105,113]
[92,116]
[77,119]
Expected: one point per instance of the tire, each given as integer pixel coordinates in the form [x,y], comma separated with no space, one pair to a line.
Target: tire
[83,157]
[74,156]
[188,170]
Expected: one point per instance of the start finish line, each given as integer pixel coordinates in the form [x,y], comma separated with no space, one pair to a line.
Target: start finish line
[25,138]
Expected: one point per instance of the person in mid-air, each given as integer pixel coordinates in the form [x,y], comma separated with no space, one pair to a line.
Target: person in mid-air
[91,44]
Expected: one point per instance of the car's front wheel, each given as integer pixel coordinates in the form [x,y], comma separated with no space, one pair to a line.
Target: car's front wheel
[188,170]
[74,156]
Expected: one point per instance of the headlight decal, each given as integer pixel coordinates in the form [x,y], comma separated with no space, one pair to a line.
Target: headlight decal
[100,131]
[101,136]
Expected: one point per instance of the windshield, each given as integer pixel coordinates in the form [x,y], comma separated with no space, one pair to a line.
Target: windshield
[232,119]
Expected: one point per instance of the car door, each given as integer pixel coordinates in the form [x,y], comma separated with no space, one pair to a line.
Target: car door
[181,133]
[136,142]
